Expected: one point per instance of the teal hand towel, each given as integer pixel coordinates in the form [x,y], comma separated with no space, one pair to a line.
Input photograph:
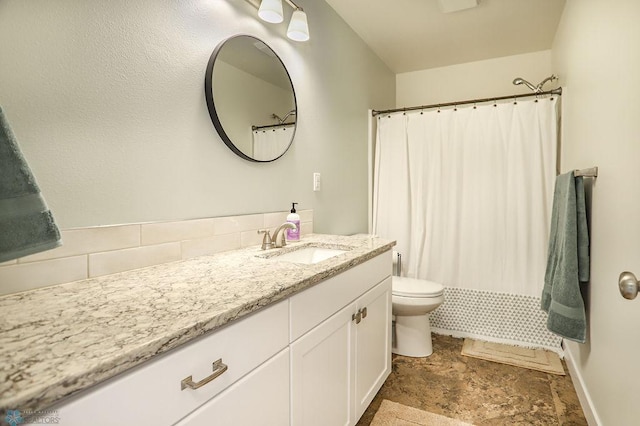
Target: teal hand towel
[26,224]
[567,261]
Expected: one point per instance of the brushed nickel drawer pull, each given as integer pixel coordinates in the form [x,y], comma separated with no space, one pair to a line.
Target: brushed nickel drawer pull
[218,369]
[364,313]
[357,317]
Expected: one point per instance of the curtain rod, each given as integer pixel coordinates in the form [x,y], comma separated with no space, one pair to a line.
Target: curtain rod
[557,91]
[270,126]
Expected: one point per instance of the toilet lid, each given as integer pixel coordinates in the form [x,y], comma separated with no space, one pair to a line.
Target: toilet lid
[412,287]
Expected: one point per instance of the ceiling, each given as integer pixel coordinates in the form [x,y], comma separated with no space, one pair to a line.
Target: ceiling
[411,35]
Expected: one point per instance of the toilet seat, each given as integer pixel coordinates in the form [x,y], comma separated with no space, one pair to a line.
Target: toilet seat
[412,287]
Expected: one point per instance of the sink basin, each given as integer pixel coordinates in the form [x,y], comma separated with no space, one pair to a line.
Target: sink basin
[309,255]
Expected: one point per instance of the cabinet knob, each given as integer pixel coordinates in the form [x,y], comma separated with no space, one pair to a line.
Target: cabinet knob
[364,312]
[218,369]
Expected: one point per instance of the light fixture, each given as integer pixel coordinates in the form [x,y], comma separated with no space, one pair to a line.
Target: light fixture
[298,29]
[271,11]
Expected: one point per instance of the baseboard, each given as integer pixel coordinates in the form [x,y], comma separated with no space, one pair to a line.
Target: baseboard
[581,390]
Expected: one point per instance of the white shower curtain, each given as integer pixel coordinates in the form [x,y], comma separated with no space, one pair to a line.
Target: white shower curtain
[467,193]
[272,142]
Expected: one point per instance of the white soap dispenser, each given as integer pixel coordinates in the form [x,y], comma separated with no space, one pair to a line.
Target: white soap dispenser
[293,217]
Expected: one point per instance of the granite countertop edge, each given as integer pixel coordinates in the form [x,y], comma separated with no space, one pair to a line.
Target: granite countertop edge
[40,386]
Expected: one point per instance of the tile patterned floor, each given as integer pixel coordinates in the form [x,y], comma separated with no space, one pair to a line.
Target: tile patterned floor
[477,391]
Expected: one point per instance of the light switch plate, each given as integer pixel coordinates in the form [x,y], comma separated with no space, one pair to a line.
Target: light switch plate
[316,181]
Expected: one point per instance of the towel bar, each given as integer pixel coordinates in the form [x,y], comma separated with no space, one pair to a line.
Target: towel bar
[590,172]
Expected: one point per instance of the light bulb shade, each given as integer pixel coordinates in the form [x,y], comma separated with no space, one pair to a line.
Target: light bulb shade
[298,29]
[271,11]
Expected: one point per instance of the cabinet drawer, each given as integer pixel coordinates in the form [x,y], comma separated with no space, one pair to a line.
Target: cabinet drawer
[151,393]
[317,303]
[259,398]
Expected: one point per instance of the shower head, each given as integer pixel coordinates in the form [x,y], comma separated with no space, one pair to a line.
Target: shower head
[282,120]
[550,78]
[536,89]
[519,81]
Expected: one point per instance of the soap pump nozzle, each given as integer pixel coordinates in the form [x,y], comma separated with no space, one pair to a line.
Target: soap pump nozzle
[293,207]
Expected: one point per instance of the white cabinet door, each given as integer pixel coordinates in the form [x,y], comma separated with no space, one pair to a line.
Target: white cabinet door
[260,398]
[373,345]
[321,370]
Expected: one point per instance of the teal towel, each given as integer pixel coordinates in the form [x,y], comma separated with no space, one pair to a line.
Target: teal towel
[568,260]
[26,224]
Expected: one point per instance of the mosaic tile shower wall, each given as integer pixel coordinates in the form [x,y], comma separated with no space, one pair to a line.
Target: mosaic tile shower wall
[501,316]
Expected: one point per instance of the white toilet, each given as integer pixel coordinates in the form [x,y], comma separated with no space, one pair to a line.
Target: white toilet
[412,300]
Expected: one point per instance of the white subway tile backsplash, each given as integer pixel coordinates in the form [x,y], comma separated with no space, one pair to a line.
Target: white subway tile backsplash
[111,262]
[90,240]
[102,250]
[306,215]
[250,238]
[306,228]
[273,220]
[164,232]
[231,224]
[27,276]
[205,246]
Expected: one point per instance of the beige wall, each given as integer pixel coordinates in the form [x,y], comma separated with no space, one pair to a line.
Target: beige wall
[107,102]
[597,55]
[473,80]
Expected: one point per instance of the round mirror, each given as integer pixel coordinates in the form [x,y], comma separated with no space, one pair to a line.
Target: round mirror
[251,99]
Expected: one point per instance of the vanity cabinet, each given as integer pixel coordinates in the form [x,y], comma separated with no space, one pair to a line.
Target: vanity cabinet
[340,361]
[316,358]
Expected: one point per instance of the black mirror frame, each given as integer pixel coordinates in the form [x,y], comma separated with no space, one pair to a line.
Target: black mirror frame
[208,92]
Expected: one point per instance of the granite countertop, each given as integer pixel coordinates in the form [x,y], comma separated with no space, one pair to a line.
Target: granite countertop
[58,340]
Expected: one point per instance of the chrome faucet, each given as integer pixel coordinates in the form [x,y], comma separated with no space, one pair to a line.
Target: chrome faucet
[283,241]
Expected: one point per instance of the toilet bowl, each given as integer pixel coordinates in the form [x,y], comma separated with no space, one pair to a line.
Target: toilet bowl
[412,300]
